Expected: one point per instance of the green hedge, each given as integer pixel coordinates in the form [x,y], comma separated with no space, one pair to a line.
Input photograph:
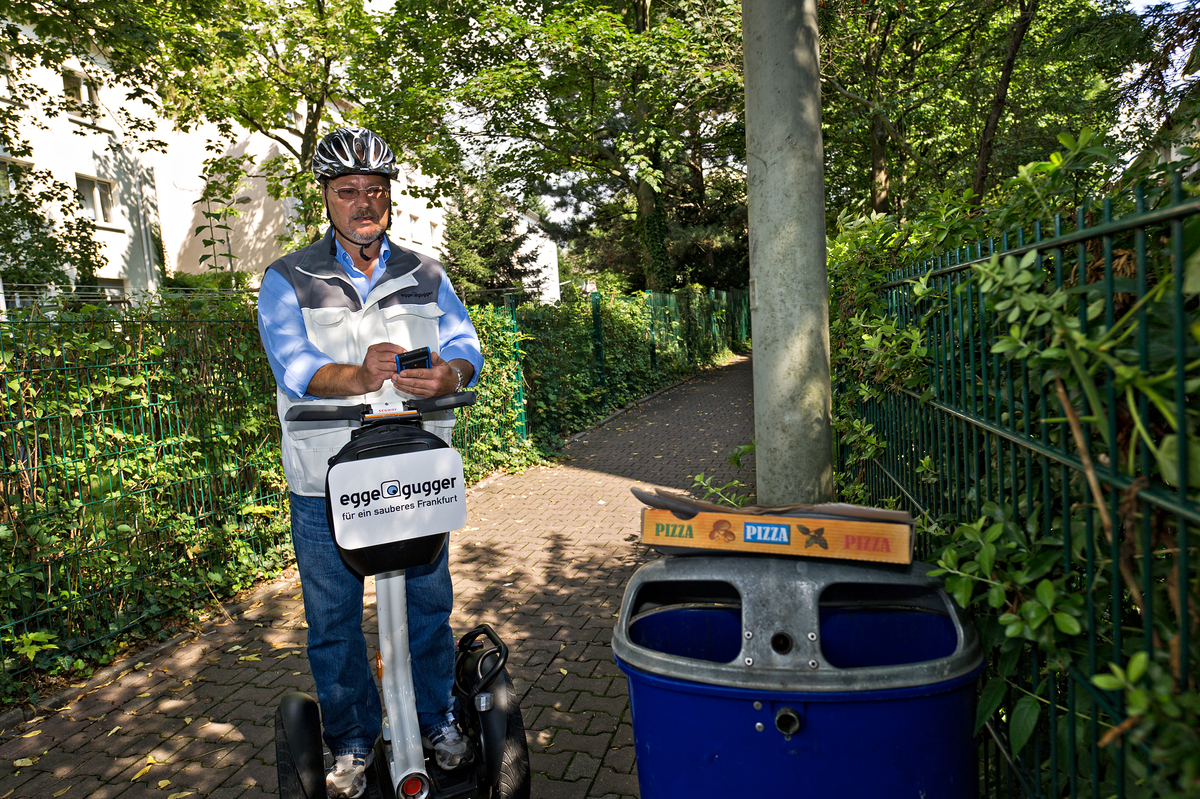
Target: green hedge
[140,470]
[1034,405]
[591,354]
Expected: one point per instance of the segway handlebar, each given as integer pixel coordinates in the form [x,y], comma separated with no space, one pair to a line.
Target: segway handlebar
[411,409]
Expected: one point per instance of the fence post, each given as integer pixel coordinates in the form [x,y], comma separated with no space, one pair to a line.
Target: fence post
[687,323]
[518,392]
[653,336]
[598,346]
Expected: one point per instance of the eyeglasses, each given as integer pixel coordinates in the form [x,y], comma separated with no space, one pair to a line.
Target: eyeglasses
[349,194]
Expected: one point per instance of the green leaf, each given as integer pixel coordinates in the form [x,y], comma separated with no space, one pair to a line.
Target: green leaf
[1168,461]
[1109,682]
[1045,593]
[1191,263]
[986,559]
[1067,623]
[1022,722]
[1137,666]
[989,700]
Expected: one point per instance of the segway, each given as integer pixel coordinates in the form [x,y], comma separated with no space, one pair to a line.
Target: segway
[393,495]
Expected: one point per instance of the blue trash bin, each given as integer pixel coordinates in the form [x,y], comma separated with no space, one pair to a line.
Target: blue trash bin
[767,677]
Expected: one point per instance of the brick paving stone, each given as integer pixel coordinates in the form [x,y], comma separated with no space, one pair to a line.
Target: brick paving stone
[609,781]
[595,745]
[620,759]
[545,556]
[551,764]
[583,766]
[543,787]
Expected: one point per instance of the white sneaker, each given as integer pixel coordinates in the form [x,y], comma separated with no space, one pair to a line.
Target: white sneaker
[348,777]
[448,745]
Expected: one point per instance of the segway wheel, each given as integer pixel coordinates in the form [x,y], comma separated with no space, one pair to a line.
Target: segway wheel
[298,755]
[514,763]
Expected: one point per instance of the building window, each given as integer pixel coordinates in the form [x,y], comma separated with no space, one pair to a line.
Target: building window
[414,229]
[433,232]
[79,90]
[113,290]
[96,198]
[10,177]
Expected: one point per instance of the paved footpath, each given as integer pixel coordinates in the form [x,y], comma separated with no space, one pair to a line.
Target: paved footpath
[544,557]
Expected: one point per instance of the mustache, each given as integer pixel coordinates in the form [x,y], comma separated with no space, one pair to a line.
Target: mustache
[365,213]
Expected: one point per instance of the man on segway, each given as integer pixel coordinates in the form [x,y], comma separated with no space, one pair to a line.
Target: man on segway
[333,316]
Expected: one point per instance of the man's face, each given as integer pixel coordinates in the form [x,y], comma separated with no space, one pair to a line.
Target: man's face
[362,219]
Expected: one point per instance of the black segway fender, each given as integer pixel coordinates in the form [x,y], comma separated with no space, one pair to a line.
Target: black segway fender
[493,726]
[298,748]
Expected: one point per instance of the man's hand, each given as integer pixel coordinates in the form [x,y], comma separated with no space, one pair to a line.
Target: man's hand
[379,364]
[433,382]
[344,380]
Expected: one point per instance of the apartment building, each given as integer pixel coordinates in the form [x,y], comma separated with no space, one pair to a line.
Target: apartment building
[147,205]
[86,150]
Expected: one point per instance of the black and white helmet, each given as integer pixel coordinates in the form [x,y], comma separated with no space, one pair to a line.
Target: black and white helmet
[353,151]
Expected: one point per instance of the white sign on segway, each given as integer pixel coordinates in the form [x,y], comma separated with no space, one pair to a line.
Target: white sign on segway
[396,497]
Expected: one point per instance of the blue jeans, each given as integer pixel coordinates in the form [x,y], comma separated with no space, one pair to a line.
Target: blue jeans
[351,713]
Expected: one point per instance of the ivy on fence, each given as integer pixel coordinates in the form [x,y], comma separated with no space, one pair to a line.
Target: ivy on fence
[1033,398]
[591,354]
[140,469]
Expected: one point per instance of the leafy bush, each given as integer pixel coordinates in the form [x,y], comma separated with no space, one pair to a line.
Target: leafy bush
[491,434]
[591,354]
[140,473]
[1090,352]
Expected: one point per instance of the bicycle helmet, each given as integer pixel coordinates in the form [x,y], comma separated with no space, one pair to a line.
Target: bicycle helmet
[353,151]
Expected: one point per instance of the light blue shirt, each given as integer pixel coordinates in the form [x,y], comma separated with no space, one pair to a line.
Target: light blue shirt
[294,359]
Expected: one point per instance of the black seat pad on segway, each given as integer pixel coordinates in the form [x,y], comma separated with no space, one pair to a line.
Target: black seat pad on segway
[377,442]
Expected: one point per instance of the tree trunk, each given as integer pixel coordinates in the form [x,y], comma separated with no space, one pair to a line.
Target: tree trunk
[652,233]
[652,218]
[880,182]
[878,37]
[988,138]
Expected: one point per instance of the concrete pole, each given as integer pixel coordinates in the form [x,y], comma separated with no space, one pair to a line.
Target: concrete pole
[789,289]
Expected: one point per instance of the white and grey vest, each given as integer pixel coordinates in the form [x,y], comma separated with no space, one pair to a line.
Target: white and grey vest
[401,308]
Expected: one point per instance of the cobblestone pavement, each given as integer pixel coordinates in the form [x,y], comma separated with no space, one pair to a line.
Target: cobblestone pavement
[544,558]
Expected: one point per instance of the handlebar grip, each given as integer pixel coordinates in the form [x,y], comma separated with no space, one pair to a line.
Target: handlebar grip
[445,402]
[325,413]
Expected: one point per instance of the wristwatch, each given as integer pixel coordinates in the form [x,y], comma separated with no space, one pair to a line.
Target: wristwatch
[458,372]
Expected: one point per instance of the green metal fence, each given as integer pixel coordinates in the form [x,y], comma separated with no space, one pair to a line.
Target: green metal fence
[138,462]
[689,326]
[139,455]
[1062,409]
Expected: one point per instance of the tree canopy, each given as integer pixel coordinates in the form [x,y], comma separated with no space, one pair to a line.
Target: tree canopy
[954,95]
[627,114]
[596,104]
[487,247]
